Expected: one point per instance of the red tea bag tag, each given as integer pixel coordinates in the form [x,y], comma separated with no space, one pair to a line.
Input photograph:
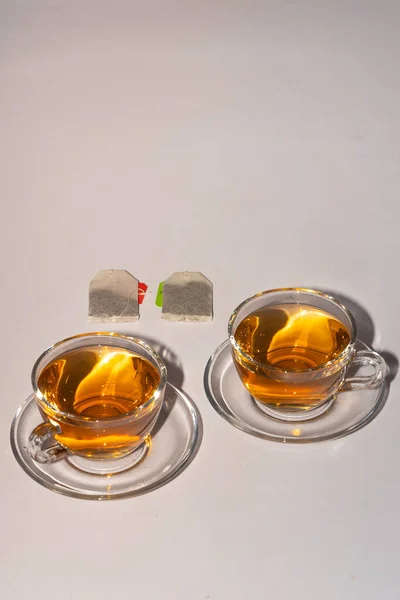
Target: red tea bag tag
[142,289]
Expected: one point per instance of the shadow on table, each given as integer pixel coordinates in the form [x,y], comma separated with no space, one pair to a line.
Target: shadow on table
[175,376]
[170,359]
[366,331]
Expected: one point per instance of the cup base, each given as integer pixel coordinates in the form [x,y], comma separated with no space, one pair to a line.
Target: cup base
[110,466]
[295,416]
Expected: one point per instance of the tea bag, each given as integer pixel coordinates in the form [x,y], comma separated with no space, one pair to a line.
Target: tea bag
[187,296]
[113,297]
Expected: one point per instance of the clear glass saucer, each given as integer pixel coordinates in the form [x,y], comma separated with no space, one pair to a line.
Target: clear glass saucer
[350,411]
[175,440]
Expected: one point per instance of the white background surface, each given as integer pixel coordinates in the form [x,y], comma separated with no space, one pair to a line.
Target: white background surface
[257,142]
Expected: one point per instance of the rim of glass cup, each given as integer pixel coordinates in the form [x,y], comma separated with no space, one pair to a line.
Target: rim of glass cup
[94,335]
[346,352]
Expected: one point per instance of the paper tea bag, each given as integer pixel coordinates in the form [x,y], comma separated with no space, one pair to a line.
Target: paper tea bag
[187,296]
[113,297]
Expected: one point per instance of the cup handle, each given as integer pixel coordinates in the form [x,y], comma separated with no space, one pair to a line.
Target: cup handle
[42,446]
[366,358]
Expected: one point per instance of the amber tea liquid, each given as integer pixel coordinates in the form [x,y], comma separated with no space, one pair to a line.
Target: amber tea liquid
[99,383]
[294,338]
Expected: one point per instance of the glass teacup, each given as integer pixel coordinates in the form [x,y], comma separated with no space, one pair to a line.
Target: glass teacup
[100,395]
[292,348]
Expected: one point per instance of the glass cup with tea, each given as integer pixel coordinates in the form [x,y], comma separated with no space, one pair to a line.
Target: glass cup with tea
[293,347]
[100,395]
